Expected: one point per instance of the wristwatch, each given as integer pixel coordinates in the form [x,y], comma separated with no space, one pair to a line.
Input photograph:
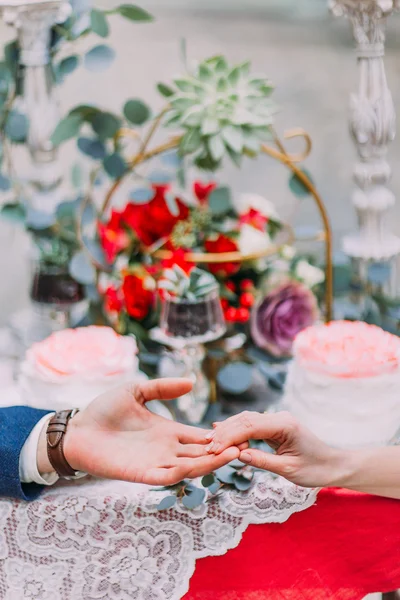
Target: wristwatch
[55,435]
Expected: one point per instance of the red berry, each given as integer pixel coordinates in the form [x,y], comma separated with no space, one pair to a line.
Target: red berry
[247,299]
[231,286]
[231,314]
[247,284]
[242,315]
[224,303]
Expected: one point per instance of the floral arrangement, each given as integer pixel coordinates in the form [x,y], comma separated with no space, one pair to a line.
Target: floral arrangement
[206,221]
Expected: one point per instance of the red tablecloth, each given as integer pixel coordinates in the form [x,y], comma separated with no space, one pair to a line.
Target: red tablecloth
[343,548]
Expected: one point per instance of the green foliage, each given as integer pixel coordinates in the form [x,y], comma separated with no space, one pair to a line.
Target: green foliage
[222,110]
[98,23]
[235,378]
[297,186]
[16,127]
[13,212]
[99,58]
[193,286]
[115,165]
[220,201]
[66,129]
[105,124]
[136,112]
[133,13]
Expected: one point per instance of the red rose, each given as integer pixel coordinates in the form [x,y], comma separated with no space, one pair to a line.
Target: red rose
[153,221]
[113,300]
[113,236]
[138,299]
[255,219]
[203,190]
[177,258]
[222,244]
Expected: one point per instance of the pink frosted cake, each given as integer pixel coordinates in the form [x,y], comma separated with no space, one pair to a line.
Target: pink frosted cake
[344,383]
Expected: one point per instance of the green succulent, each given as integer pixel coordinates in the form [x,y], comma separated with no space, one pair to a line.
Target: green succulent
[193,286]
[223,110]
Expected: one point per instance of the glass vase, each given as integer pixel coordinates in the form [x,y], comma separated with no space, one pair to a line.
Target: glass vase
[185,325]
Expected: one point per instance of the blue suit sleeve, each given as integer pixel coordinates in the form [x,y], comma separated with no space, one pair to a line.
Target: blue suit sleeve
[16,423]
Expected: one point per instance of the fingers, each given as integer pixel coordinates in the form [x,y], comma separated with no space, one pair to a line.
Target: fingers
[281,465]
[162,389]
[203,465]
[191,450]
[248,426]
[188,468]
[191,435]
[243,446]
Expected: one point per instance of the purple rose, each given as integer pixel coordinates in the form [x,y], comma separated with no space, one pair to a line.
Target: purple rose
[281,315]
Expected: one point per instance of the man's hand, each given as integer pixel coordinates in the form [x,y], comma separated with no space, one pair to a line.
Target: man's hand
[299,455]
[117,437]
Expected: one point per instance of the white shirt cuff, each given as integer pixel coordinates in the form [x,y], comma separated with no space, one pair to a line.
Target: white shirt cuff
[28,469]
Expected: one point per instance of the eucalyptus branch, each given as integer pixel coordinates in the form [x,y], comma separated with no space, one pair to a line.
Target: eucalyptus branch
[139,158]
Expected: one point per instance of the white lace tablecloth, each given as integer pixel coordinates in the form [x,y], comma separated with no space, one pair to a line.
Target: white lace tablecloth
[103,540]
[98,540]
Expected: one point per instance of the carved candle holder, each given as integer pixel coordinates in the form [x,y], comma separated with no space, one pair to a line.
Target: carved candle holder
[372,126]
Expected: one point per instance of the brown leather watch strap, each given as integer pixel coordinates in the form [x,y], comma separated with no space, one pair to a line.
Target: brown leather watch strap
[56,430]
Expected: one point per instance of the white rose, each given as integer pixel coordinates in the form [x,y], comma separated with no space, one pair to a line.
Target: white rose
[309,274]
[245,202]
[288,252]
[252,240]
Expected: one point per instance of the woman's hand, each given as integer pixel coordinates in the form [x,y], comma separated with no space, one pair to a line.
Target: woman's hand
[299,455]
[117,437]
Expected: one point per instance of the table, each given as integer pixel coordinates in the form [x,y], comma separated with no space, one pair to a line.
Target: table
[346,546]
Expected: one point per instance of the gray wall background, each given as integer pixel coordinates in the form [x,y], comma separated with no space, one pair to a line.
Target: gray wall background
[304,51]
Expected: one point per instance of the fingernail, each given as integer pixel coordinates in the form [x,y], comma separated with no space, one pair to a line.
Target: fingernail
[210,447]
[209,435]
[245,457]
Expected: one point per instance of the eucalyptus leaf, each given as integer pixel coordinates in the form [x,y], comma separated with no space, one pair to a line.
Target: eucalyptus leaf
[214,488]
[379,273]
[219,200]
[39,220]
[13,212]
[92,147]
[159,177]
[141,195]
[66,129]
[81,269]
[5,183]
[194,499]
[99,58]
[166,503]
[98,23]
[16,127]
[241,483]
[11,56]
[235,378]
[134,13]
[77,175]
[226,474]
[171,159]
[297,186]
[115,165]
[68,65]
[208,480]
[165,90]
[105,124]
[136,111]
